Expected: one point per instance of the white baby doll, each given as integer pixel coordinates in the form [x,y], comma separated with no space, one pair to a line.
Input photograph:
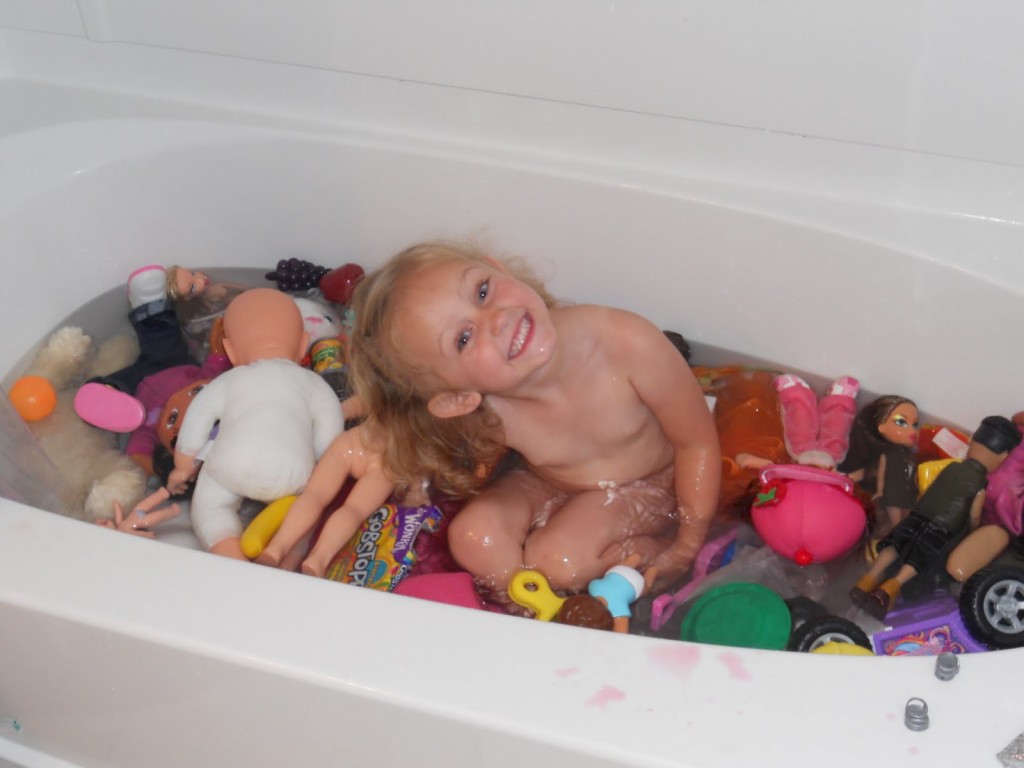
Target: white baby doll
[276,419]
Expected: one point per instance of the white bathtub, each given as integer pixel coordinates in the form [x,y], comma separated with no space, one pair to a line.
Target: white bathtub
[124,652]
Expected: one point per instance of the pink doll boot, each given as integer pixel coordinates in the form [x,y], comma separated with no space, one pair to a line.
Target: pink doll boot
[108,408]
[836,413]
[799,414]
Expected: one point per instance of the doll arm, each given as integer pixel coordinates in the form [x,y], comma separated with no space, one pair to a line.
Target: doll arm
[750,461]
[976,505]
[329,475]
[880,487]
[141,519]
[204,411]
[666,385]
[369,492]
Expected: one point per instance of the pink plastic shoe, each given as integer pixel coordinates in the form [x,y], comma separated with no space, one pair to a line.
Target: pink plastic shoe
[109,408]
[845,385]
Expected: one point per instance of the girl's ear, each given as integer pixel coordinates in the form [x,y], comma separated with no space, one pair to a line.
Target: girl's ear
[447,405]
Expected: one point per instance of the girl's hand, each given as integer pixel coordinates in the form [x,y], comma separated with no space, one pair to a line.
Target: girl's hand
[674,563]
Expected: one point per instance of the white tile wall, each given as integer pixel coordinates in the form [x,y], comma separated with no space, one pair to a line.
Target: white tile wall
[938,76]
[59,16]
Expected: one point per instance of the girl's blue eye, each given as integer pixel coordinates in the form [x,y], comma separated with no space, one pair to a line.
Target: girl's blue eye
[462,341]
[482,290]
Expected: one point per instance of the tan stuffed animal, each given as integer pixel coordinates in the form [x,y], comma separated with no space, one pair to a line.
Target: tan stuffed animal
[95,471]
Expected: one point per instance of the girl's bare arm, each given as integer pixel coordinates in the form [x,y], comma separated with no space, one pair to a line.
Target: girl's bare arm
[664,382]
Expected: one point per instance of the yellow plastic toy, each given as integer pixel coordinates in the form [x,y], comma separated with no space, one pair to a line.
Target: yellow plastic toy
[927,471]
[838,648]
[261,530]
[530,589]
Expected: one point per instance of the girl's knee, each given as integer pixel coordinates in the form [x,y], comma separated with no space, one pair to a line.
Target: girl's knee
[481,544]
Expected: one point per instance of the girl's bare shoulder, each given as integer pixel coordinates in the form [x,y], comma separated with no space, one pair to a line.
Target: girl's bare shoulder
[601,315]
[614,324]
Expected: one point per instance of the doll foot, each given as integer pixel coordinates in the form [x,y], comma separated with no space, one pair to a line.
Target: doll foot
[881,600]
[109,408]
[862,590]
[146,285]
[788,380]
[816,458]
[845,385]
[268,556]
[313,567]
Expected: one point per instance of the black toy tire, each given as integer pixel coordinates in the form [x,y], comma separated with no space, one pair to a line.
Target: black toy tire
[815,632]
[992,606]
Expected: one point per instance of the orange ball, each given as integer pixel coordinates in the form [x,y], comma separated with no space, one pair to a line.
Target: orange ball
[33,397]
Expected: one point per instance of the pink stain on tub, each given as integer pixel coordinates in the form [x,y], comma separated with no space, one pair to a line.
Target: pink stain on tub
[606,696]
[737,670]
[675,657]
[567,671]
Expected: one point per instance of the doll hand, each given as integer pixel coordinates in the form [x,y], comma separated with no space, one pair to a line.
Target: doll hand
[749,461]
[139,520]
[177,481]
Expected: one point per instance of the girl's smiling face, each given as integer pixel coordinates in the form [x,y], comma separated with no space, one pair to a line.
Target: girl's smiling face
[474,326]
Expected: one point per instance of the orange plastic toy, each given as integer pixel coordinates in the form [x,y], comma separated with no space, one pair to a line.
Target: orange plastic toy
[33,397]
[748,421]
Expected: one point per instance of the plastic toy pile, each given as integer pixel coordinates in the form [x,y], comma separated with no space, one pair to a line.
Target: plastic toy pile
[844,525]
[854,529]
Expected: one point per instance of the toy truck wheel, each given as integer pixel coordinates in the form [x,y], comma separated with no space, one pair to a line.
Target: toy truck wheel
[992,606]
[820,630]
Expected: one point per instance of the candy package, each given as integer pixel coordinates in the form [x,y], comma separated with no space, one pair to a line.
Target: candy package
[382,552]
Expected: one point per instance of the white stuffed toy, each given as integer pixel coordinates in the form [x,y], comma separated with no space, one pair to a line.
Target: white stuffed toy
[319,320]
[328,335]
[96,473]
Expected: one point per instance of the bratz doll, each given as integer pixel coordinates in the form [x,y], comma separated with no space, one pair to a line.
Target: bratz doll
[883,443]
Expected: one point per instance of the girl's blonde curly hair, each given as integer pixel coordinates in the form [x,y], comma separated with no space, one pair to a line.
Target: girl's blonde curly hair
[453,454]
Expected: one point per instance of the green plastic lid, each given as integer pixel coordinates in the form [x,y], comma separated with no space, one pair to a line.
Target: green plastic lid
[742,615]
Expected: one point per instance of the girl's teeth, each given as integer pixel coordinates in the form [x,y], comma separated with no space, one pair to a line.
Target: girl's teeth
[520,339]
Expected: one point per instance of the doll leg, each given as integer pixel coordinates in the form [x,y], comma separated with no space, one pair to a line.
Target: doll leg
[799,409]
[300,520]
[214,512]
[836,413]
[368,494]
[867,583]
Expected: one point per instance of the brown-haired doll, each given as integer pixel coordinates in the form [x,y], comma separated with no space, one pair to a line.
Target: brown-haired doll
[881,458]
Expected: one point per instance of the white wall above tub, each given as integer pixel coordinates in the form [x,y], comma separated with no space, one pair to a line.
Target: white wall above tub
[933,76]
[58,16]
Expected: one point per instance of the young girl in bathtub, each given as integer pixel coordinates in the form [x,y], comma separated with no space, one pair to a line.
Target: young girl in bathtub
[460,356]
